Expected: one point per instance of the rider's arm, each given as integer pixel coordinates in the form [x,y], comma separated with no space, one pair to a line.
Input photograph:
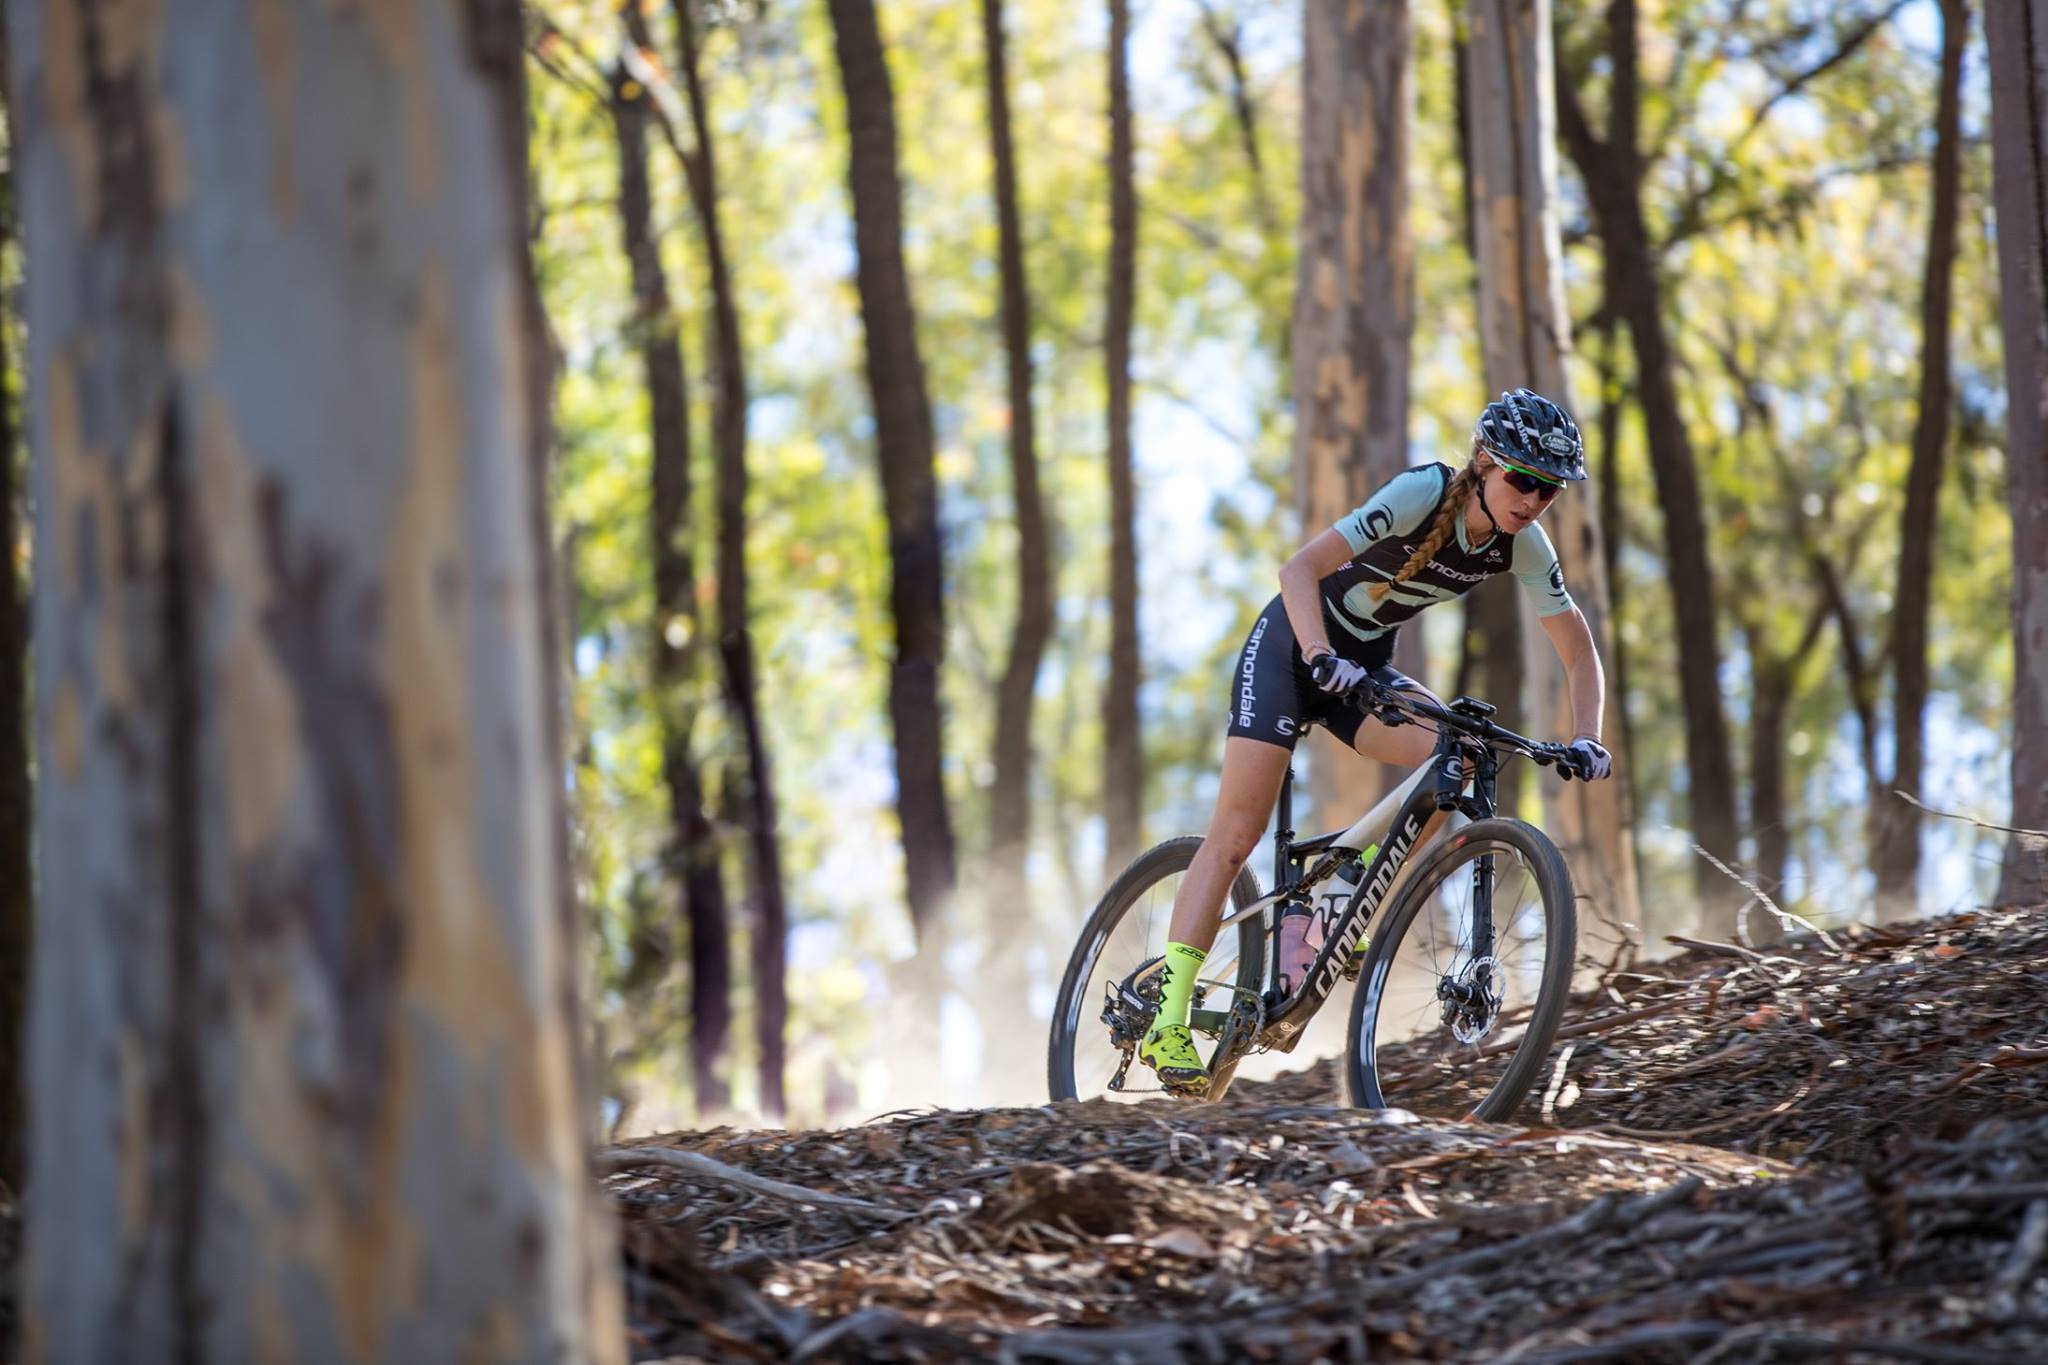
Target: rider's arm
[1573,640]
[1301,589]
[1397,507]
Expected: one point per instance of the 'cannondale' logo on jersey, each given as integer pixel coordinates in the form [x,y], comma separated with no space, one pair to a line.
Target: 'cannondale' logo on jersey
[1378,522]
[1557,579]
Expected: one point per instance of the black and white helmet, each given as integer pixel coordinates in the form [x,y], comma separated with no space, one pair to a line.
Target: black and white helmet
[1530,430]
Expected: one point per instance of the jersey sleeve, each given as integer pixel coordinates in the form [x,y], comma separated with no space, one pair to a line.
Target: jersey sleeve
[1396,509]
[1542,577]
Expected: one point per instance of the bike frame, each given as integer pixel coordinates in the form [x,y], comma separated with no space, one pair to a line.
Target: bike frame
[1469,751]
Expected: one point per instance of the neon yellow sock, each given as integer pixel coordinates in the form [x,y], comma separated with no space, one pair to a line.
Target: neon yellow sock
[1177,991]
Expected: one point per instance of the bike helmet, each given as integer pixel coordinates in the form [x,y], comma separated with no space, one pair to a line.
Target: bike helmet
[1529,431]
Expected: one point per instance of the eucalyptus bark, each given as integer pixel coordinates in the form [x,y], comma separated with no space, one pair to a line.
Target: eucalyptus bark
[675,633]
[1123,751]
[299,1042]
[1354,301]
[1613,170]
[1525,339]
[2016,36]
[756,795]
[1898,848]
[904,454]
[1009,806]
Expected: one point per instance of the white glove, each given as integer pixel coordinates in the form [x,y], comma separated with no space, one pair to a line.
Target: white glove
[1336,676]
[1593,759]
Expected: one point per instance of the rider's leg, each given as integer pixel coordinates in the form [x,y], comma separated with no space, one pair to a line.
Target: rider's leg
[1410,746]
[1252,773]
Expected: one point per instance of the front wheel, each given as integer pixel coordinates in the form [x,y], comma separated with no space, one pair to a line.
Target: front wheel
[1111,988]
[1466,978]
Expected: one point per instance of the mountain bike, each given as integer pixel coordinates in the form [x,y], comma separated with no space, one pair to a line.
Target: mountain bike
[1465,975]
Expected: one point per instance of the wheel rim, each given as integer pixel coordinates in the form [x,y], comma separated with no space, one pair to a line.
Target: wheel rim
[1132,944]
[1440,1034]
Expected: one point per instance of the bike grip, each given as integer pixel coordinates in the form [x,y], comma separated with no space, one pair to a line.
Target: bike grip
[1322,669]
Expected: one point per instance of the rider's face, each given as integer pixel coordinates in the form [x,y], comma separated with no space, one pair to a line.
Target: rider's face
[1513,510]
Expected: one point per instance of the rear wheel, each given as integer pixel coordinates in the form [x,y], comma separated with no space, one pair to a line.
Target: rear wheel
[1111,988]
[1451,1018]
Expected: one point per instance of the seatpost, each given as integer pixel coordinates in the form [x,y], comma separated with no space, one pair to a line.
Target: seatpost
[1285,834]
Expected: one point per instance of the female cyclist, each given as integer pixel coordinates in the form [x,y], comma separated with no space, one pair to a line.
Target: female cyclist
[1426,536]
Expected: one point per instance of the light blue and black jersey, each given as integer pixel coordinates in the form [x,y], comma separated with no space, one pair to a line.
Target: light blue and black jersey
[1385,532]
[1273,698]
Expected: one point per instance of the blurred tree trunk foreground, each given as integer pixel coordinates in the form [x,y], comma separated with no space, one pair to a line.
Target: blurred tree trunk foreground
[2017,37]
[1525,335]
[305,1039]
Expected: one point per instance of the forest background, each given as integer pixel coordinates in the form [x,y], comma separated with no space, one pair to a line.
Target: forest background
[883,919]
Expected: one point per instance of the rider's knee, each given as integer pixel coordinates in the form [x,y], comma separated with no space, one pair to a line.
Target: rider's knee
[1233,842]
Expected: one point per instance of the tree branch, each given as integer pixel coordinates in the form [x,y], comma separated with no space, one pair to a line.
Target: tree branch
[1691,218]
[614,1160]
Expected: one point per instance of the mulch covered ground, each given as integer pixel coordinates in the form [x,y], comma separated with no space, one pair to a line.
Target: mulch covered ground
[1836,1150]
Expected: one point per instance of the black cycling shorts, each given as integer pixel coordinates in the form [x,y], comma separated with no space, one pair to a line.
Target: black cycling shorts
[1272,696]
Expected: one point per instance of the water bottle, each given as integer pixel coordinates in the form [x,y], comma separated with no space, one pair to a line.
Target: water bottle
[1300,936]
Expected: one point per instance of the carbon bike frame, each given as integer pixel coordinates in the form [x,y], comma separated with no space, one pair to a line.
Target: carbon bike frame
[1465,738]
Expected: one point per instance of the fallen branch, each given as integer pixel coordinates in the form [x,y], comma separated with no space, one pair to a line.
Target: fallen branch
[613,1160]
[1784,916]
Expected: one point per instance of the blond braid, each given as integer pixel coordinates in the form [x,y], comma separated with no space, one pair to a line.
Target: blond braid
[1461,485]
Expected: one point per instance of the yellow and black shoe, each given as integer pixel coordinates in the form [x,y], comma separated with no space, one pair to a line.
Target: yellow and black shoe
[1170,1051]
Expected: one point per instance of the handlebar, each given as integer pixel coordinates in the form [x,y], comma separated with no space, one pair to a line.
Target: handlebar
[1394,705]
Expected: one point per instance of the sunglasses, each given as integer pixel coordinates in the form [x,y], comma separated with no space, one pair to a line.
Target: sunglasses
[1522,481]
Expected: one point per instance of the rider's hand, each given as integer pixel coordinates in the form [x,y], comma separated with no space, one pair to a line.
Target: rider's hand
[1336,676]
[1593,760]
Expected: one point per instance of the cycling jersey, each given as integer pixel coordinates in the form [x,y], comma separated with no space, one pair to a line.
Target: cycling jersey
[1273,699]
[1384,533]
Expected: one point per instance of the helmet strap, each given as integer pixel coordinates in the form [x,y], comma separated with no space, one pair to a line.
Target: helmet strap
[1480,493]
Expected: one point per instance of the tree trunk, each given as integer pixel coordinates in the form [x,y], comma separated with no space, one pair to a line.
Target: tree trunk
[756,797]
[1009,804]
[1771,700]
[300,1043]
[2016,36]
[1613,171]
[1354,298]
[17,889]
[903,449]
[1898,861]
[1525,336]
[675,634]
[1123,751]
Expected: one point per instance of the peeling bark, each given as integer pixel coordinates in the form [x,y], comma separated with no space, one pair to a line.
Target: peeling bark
[299,1043]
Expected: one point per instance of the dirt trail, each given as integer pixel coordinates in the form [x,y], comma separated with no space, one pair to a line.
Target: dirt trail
[1876,1188]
